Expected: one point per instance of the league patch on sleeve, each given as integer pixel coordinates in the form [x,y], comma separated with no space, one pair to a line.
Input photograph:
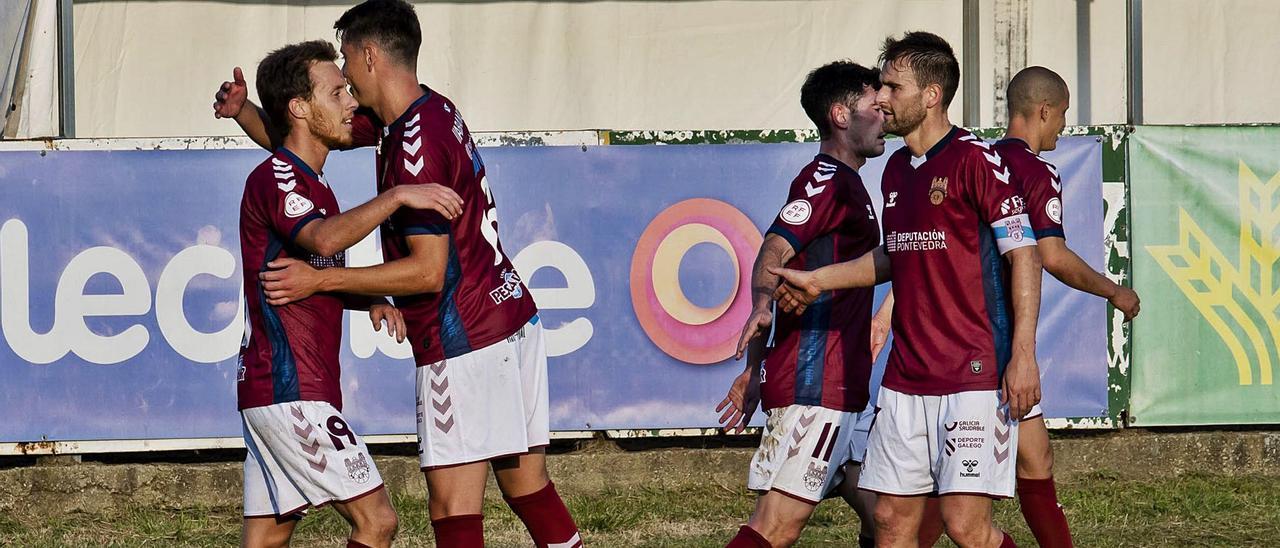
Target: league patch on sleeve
[296,205]
[1054,210]
[797,212]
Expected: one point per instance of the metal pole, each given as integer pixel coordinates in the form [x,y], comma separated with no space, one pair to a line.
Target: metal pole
[1133,14]
[66,71]
[1084,64]
[971,71]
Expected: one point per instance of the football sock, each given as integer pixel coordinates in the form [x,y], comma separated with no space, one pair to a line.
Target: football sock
[865,541]
[546,518]
[352,543]
[464,531]
[1007,542]
[748,538]
[1039,501]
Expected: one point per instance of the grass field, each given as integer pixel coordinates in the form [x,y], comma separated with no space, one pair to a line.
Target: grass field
[690,510]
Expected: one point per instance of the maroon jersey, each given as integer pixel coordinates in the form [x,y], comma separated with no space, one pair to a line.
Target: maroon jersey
[948,218]
[1040,184]
[483,300]
[823,357]
[289,352]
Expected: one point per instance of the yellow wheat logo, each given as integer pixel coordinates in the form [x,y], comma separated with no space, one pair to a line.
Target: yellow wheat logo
[1244,296]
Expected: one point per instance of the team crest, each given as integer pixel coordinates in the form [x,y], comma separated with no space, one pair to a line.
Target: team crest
[357,468]
[1014,226]
[938,190]
[975,366]
[815,477]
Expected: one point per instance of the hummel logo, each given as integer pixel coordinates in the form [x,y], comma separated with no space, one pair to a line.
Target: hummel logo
[813,191]
[414,167]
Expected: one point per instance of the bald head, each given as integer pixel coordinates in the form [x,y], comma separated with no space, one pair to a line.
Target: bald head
[1035,86]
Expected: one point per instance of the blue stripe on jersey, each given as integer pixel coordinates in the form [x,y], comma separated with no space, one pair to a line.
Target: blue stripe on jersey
[786,235]
[453,335]
[993,288]
[476,163]
[1054,232]
[284,372]
[811,353]
[1002,232]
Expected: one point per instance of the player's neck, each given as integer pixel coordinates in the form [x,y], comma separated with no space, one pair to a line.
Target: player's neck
[843,151]
[307,148]
[398,94]
[931,130]
[1018,129]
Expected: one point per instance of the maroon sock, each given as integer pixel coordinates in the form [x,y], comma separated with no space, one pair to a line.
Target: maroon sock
[1039,501]
[1007,542]
[353,543]
[546,518]
[464,531]
[748,538]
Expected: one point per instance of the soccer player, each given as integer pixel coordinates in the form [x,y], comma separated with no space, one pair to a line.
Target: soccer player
[1038,102]
[814,379]
[482,375]
[301,451]
[963,364]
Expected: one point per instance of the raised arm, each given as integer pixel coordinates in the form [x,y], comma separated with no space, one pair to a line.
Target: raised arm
[230,102]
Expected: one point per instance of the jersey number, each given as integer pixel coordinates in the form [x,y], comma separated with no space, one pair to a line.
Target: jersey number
[489,222]
[338,430]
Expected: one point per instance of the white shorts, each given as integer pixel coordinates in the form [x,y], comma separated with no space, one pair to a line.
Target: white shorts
[861,433]
[302,454]
[801,452]
[485,404]
[960,443]
[1035,411]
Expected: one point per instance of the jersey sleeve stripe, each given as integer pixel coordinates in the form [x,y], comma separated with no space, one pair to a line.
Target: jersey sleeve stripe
[429,229]
[1054,232]
[1013,232]
[293,234]
[786,235]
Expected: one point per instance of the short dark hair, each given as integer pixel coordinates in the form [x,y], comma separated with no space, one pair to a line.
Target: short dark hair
[1032,86]
[286,73]
[392,24]
[841,82]
[931,60]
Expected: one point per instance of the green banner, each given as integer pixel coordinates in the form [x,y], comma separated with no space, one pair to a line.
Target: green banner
[1206,263]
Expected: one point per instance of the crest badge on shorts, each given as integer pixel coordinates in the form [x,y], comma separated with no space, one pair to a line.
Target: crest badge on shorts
[357,468]
[815,477]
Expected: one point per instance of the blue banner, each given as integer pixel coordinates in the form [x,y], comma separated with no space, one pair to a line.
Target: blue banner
[120,297]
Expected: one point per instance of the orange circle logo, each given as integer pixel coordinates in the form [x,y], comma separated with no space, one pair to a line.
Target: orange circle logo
[682,329]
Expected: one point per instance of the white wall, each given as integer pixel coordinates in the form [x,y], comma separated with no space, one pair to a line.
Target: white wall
[150,67]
